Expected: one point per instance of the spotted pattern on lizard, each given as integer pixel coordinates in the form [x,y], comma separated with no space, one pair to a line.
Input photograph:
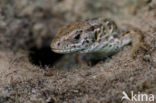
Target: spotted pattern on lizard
[93,36]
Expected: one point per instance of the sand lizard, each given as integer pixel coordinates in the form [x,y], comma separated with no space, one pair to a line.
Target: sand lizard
[99,37]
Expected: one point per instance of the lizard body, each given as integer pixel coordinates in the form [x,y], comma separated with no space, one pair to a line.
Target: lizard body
[100,37]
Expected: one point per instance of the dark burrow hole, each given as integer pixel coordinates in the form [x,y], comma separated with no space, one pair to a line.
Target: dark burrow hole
[43,56]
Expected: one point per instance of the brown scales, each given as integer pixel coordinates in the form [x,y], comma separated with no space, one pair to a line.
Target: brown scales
[100,29]
[69,28]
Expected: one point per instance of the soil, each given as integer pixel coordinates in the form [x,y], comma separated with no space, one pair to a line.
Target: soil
[27,65]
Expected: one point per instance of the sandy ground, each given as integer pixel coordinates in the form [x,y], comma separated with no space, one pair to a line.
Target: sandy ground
[27,70]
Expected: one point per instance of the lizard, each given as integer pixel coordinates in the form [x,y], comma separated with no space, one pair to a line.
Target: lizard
[98,37]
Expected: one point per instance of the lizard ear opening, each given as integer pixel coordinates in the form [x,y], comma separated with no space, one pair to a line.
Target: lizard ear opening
[96,35]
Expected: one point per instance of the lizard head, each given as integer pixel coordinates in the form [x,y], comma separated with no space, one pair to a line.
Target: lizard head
[84,37]
[75,37]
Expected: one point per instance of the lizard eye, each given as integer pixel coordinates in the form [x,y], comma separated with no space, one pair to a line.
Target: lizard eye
[77,37]
[58,43]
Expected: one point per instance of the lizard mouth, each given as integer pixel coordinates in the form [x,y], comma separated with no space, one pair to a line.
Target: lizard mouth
[65,51]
